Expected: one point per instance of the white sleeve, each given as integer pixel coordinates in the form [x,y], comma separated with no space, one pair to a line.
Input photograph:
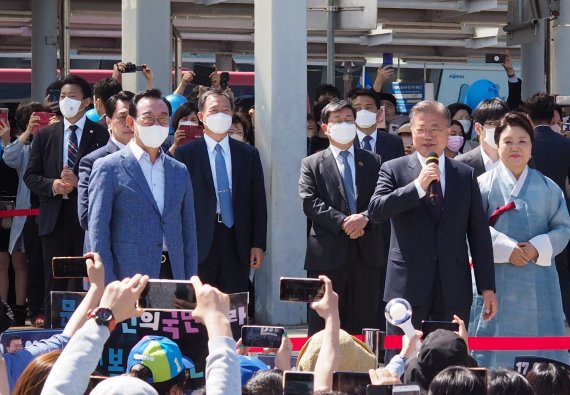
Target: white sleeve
[222,367]
[503,246]
[544,247]
[421,191]
[72,370]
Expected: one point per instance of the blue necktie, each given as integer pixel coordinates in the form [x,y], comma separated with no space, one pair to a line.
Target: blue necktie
[224,193]
[367,145]
[347,181]
[72,147]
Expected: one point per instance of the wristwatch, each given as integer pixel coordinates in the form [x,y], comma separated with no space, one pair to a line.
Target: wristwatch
[103,316]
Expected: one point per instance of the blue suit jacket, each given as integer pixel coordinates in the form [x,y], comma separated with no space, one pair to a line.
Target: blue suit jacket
[85,168]
[125,225]
[420,246]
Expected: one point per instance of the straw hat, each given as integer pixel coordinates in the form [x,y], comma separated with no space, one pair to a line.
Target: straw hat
[355,356]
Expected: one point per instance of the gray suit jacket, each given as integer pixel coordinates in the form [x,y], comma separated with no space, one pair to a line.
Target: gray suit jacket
[125,224]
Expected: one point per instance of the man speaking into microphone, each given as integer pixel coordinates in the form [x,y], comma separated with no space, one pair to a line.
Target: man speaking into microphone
[433,203]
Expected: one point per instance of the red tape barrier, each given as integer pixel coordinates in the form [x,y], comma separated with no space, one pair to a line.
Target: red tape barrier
[475,343]
[28,212]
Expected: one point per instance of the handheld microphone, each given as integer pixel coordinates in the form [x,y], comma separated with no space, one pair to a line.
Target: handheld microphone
[432,189]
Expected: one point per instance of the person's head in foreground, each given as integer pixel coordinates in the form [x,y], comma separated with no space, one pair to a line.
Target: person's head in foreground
[507,382]
[549,378]
[457,380]
[158,361]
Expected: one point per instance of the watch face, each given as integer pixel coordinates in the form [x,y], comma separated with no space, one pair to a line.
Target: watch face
[104,314]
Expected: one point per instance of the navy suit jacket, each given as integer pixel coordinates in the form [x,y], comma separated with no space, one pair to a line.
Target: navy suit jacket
[551,154]
[125,225]
[325,204]
[421,247]
[388,146]
[45,166]
[248,195]
[85,168]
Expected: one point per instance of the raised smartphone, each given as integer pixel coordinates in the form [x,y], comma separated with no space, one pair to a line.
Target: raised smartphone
[298,383]
[430,326]
[261,336]
[69,267]
[351,383]
[168,295]
[301,289]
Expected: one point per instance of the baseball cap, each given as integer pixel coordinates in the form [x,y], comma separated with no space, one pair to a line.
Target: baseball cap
[160,355]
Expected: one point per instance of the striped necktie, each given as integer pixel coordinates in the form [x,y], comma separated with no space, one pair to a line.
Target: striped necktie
[72,147]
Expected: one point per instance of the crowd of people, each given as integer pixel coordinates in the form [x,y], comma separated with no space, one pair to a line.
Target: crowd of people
[462,212]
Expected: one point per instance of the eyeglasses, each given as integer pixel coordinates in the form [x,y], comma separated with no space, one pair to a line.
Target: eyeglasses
[149,120]
[423,132]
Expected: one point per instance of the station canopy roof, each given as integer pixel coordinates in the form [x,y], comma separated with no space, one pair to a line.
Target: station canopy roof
[414,30]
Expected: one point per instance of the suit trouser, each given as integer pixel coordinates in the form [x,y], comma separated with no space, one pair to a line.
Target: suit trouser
[222,267]
[34,254]
[437,310]
[66,239]
[356,284]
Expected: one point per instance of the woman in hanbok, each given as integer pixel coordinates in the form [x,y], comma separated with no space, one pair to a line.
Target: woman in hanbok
[529,225]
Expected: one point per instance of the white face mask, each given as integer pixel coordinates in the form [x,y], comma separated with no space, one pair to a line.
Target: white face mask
[454,143]
[69,107]
[153,136]
[237,137]
[343,133]
[218,123]
[556,128]
[466,125]
[490,137]
[365,118]
[187,123]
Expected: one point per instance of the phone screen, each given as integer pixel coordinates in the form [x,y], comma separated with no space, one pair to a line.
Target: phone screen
[351,383]
[378,389]
[301,289]
[406,389]
[430,326]
[69,267]
[191,133]
[168,295]
[298,383]
[262,336]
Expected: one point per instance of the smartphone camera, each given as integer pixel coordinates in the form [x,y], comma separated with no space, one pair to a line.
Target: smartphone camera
[131,68]
[54,95]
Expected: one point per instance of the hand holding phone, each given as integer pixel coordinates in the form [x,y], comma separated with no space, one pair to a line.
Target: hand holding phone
[351,383]
[3,116]
[54,95]
[202,74]
[387,59]
[43,119]
[406,389]
[494,58]
[191,132]
[306,290]
[130,68]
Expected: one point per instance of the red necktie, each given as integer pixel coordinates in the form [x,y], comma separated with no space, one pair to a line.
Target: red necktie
[495,216]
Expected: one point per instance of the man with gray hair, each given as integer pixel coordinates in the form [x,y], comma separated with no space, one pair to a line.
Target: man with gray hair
[434,207]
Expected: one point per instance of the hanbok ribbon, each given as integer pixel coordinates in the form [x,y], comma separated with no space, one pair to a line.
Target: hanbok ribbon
[497,213]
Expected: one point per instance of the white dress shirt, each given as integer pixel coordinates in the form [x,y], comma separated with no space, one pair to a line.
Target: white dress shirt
[67,132]
[153,174]
[211,146]
[340,163]
[488,162]
[116,142]
[361,136]
[441,165]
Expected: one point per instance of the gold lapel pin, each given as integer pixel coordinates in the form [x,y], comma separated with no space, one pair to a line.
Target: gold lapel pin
[91,131]
[360,164]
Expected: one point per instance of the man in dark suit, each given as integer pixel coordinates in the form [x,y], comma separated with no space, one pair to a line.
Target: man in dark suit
[52,175]
[117,108]
[369,137]
[551,154]
[486,117]
[335,186]
[229,198]
[367,105]
[428,263]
